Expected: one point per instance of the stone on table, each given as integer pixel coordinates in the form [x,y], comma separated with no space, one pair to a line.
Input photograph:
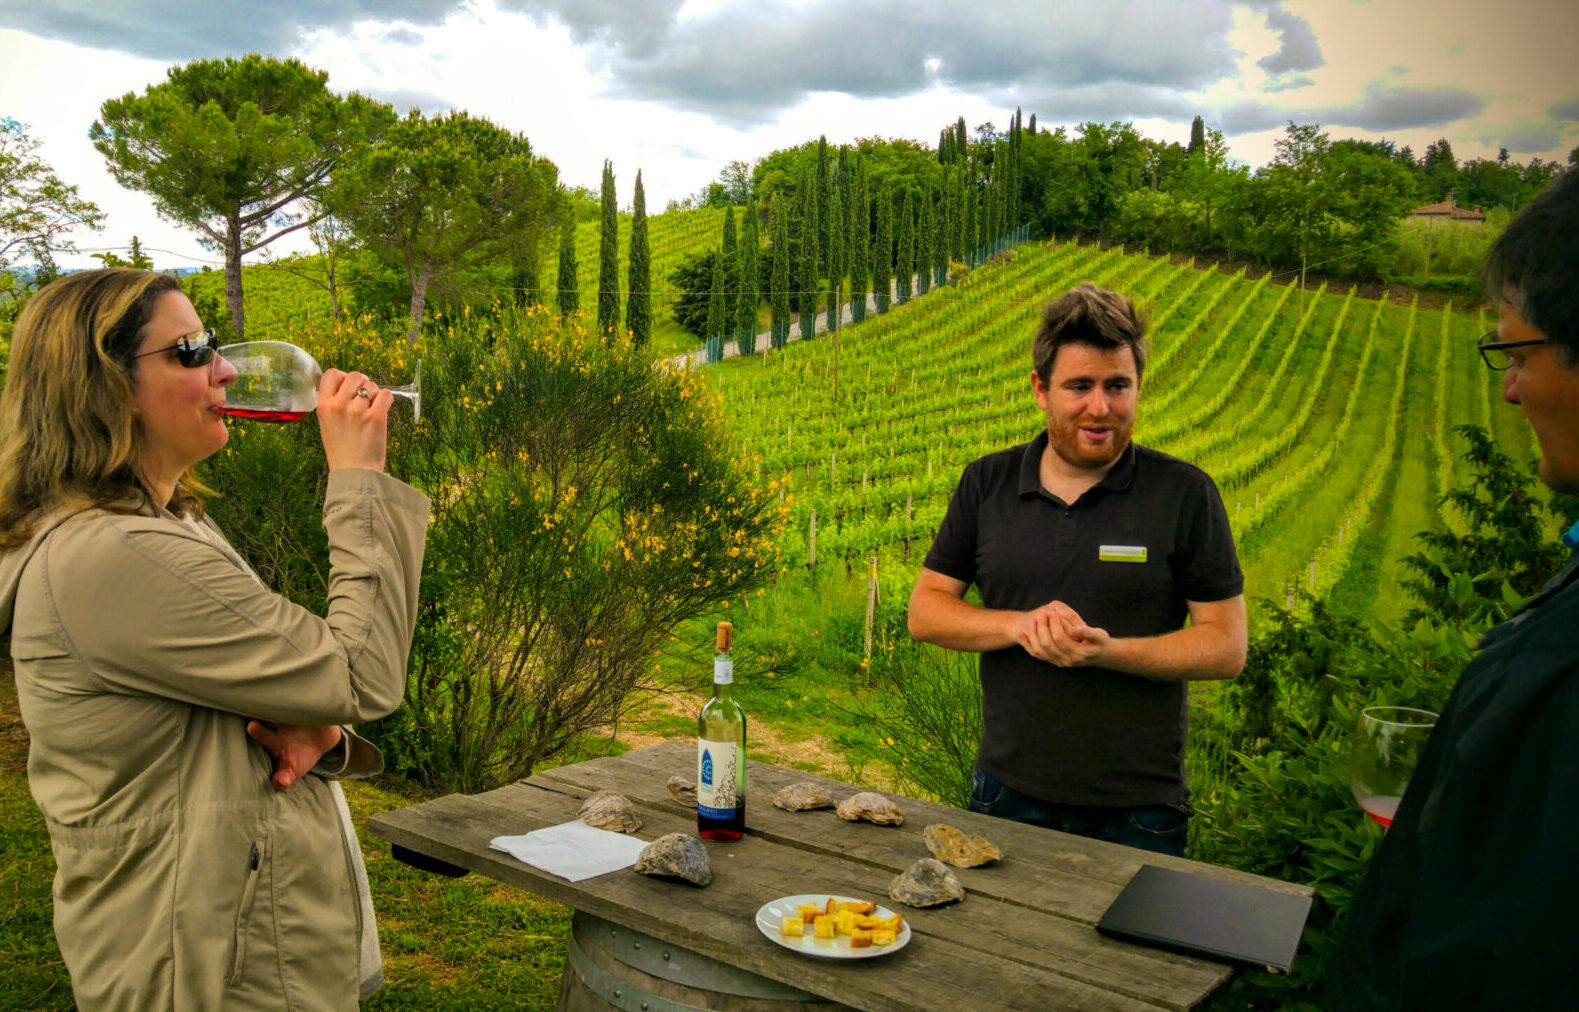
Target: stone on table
[676,855]
[927,883]
[869,806]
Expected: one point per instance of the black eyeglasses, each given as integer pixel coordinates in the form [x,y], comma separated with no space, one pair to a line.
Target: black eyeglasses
[189,352]
[1495,352]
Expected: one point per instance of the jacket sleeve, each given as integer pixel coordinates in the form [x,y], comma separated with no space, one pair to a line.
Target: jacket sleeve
[353,757]
[151,609]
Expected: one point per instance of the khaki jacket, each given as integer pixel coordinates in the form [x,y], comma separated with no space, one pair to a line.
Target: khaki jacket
[141,646]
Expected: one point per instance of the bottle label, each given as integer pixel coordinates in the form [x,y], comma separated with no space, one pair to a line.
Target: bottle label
[717,773]
[723,670]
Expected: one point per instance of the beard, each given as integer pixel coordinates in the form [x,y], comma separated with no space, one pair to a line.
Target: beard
[1066,439]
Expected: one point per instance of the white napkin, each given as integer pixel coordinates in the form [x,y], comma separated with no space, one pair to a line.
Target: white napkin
[572,850]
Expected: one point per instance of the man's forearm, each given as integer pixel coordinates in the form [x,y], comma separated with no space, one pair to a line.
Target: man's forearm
[946,621]
[1198,652]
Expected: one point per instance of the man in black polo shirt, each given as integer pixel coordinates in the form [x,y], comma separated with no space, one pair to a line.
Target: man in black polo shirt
[1089,553]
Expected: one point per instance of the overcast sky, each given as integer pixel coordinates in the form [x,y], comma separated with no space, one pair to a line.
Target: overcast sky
[677,88]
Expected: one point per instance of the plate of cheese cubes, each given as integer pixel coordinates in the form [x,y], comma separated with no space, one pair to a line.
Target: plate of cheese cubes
[834,927]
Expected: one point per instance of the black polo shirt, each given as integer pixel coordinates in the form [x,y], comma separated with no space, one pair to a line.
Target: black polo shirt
[1087,735]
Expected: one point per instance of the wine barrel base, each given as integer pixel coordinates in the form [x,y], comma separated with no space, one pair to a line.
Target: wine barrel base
[612,967]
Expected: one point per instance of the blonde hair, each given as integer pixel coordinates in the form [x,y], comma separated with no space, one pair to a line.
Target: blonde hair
[68,420]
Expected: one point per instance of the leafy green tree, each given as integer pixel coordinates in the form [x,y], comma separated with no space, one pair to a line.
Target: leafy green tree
[638,305]
[750,287]
[608,258]
[806,276]
[569,297]
[779,273]
[883,252]
[926,237]
[436,197]
[1439,171]
[37,209]
[135,258]
[858,247]
[1197,135]
[692,278]
[231,147]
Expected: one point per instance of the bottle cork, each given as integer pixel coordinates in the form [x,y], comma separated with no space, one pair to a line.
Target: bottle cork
[726,634]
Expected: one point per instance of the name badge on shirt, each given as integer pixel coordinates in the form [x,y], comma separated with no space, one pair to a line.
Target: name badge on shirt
[1121,553]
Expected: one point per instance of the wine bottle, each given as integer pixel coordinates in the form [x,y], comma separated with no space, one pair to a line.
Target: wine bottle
[721,753]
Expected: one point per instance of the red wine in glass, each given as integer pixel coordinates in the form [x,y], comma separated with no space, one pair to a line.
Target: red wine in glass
[1388,741]
[278,382]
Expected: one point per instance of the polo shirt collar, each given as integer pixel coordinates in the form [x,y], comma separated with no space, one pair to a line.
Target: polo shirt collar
[1118,479]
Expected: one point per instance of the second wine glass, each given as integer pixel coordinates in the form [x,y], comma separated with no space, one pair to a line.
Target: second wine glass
[278,382]
[1388,741]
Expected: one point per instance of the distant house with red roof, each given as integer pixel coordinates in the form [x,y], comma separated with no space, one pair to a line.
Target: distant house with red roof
[1449,211]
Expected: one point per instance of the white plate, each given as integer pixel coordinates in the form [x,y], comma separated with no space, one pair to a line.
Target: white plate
[771,916]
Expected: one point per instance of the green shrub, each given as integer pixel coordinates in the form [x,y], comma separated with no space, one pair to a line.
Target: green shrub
[584,504]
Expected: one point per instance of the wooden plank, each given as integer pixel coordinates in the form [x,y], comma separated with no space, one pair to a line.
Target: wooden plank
[932,972]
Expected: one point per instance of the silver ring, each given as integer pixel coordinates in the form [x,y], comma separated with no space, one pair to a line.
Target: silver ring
[362,393]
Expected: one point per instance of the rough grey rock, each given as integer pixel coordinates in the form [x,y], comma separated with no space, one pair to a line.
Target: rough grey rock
[952,846]
[802,797]
[677,855]
[682,790]
[927,883]
[872,807]
[608,810]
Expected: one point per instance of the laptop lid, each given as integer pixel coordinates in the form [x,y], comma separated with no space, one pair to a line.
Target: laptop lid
[1232,921]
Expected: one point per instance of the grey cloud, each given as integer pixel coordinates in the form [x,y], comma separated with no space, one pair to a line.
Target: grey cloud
[747,64]
[1535,136]
[403,37]
[171,30]
[403,100]
[636,26]
[1387,106]
[1250,118]
[1299,49]
[1105,103]
[1565,110]
[1289,84]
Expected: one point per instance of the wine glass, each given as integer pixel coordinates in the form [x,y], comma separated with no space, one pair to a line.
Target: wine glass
[1388,741]
[278,382]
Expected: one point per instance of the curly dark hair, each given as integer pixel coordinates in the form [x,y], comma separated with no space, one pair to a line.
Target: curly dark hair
[1090,315]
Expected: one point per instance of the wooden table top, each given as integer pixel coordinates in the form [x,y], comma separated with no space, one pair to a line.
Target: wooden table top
[1024,937]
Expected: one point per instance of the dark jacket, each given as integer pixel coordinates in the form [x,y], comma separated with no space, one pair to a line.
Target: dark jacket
[1472,899]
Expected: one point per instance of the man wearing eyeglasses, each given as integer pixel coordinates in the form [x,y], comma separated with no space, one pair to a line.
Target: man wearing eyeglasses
[1472,897]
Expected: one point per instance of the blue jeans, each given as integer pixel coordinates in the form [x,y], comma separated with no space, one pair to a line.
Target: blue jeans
[1161,829]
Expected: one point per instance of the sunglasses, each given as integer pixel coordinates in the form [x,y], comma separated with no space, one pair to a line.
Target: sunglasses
[191,351]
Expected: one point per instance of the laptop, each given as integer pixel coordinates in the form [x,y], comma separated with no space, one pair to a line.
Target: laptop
[1231,921]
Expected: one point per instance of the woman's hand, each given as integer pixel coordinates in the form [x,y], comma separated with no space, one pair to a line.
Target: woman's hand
[296,749]
[353,415]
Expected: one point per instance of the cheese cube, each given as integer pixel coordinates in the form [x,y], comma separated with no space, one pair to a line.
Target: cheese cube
[807,911]
[844,922]
[868,922]
[793,926]
[860,939]
[823,926]
[883,937]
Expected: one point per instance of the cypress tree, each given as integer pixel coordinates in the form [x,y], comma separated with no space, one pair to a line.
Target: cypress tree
[971,236]
[717,312]
[569,298]
[1033,124]
[858,248]
[961,139]
[608,261]
[778,278]
[943,152]
[638,284]
[941,230]
[749,292]
[730,249]
[926,237]
[883,253]
[823,178]
[836,236]
[905,252]
[1197,134]
[806,276]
